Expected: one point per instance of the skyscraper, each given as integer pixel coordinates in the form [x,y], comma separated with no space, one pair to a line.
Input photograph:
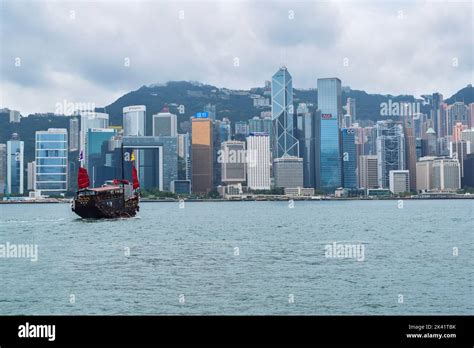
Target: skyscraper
[351,108]
[410,151]
[424,174]
[202,155]
[51,161]
[306,134]
[15,166]
[134,120]
[165,123]
[258,164]
[73,134]
[390,150]
[349,158]
[437,115]
[89,120]
[457,112]
[96,139]
[368,178]
[3,167]
[284,141]
[328,163]
[233,160]
[446,174]
[288,172]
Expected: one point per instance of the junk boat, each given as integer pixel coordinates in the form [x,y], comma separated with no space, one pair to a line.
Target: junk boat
[119,199]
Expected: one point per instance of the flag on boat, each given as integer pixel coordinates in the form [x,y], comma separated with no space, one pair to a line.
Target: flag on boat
[136,183]
[81,156]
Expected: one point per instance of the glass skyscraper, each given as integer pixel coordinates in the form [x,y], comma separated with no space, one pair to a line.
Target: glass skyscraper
[96,139]
[15,166]
[51,161]
[349,158]
[328,164]
[284,143]
[390,150]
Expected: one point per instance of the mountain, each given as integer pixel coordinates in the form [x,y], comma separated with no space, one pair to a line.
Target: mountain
[465,95]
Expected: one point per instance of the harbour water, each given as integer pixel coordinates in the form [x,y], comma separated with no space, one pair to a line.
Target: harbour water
[242,258]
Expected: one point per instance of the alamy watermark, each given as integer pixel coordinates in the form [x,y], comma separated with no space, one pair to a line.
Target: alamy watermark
[393,108]
[231,156]
[68,108]
[25,251]
[345,251]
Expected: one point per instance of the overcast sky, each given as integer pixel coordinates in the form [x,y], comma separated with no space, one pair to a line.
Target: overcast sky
[77,51]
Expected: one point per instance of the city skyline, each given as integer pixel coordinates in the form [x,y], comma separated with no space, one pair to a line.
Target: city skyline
[237,49]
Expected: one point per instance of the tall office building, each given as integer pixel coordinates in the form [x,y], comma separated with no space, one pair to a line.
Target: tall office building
[51,162]
[306,134]
[155,160]
[446,174]
[390,150]
[351,108]
[429,143]
[165,123]
[328,163]
[258,161]
[74,134]
[96,139]
[89,120]
[349,158]
[399,181]
[437,115]
[3,167]
[459,150]
[424,174]
[31,175]
[471,115]
[368,177]
[134,120]
[233,160]
[468,171]
[288,172]
[410,152]
[15,166]
[184,157]
[202,155]
[468,135]
[284,141]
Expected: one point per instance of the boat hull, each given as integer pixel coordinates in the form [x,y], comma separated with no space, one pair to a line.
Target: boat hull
[90,207]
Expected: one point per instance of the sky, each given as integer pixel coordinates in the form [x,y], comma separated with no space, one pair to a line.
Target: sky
[57,52]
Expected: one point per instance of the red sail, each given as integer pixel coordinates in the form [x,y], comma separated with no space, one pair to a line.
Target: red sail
[82,178]
[136,184]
